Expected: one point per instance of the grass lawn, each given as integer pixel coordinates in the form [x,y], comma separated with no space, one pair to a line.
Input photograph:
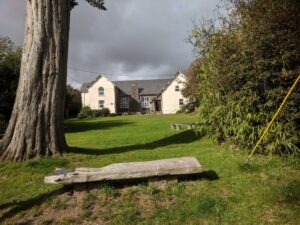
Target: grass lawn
[265,192]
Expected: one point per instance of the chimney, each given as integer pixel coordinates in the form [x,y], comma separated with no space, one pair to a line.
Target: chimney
[134,92]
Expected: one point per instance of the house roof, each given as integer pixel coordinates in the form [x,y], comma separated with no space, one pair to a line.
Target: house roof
[84,87]
[169,83]
[145,87]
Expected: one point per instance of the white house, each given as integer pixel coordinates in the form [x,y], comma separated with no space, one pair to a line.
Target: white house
[160,95]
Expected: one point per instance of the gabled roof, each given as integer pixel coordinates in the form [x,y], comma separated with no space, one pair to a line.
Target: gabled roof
[145,87]
[170,82]
[85,86]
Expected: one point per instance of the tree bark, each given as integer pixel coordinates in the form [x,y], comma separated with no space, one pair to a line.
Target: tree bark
[36,125]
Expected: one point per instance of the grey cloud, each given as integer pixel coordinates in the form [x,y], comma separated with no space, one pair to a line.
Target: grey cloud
[133,38]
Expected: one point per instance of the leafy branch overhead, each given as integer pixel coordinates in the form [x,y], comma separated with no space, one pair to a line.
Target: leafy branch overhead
[95,3]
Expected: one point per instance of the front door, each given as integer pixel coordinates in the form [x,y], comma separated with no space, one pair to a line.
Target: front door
[157,105]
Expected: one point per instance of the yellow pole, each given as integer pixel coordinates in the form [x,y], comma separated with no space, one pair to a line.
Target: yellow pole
[274,117]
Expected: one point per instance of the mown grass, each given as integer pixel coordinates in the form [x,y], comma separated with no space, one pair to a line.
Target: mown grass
[265,192]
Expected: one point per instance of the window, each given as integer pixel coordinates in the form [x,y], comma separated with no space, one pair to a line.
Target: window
[101,104]
[181,102]
[100,91]
[177,88]
[124,103]
[145,102]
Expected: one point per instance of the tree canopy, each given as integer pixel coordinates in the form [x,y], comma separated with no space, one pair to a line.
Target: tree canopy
[73,102]
[10,61]
[248,64]
[95,3]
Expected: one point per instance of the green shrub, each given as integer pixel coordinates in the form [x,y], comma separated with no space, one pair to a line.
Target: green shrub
[97,113]
[247,67]
[86,112]
[101,113]
[190,107]
[105,112]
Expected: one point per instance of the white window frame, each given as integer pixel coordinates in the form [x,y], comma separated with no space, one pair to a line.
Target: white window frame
[101,91]
[124,103]
[177,88]
[101,104]
[145,102]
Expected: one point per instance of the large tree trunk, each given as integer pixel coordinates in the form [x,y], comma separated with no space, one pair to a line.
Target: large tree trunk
[36,125]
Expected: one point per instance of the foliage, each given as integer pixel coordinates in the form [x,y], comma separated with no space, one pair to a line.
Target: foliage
[104,112]
[191,89]
[87,113]
[10,61]
[191,106]
[73,102]
[249,63]
[95,3]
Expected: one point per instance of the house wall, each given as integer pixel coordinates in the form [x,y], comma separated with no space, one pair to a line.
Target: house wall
[91,98]
[170,97]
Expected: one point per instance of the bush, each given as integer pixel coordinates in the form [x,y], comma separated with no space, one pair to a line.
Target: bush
[85,112]
[97,113]
[73,102]
[105,112]
[101,113]
[190,107]
[247,67]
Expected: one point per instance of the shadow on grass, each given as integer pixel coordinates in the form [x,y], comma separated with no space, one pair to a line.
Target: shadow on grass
[184,137]
[291,192]
[119,184]
[17,207]
[206,175]
[81,126]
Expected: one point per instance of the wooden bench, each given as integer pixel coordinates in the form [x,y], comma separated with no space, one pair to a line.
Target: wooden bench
[151,170]
[177,126]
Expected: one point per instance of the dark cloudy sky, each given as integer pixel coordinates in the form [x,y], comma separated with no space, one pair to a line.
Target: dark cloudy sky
[133,39]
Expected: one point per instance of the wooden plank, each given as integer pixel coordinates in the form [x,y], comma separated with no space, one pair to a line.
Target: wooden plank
[178,126]
[127,171]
